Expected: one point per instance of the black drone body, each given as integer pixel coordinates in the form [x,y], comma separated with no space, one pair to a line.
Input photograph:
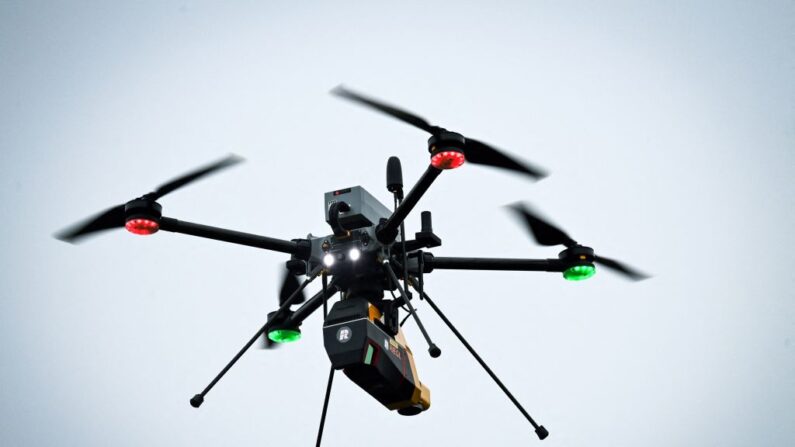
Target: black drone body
[365,259]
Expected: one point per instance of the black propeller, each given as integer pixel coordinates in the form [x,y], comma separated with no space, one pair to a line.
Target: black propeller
[290,284]
[114,217]
[548,234]
[475,151]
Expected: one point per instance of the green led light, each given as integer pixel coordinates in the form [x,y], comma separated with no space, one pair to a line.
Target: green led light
[579,272]
[284,335]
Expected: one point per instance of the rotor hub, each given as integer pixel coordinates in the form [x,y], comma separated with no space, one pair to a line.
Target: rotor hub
[579,263]
[142,216]
[280,331]
[447,150]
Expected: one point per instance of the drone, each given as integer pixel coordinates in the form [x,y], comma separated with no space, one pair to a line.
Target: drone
[368,260]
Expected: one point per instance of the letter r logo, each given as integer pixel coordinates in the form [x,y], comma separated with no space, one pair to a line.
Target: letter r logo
[344,334]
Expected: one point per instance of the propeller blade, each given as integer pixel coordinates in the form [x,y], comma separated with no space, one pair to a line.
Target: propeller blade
[621,268]
[114,217]
[544,232]
[481,153]
[475,151]
[111,218]
[395,112]
[266,343]
[547,234]
[183,180]
[289,285]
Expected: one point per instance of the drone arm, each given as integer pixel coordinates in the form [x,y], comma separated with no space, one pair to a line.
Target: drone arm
[387,232]
[311,305]
[235,237]
[453,263]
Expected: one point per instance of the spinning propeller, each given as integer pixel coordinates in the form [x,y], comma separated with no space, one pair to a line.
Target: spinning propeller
[448,149]
[276,336]
[141,215]
[549,235]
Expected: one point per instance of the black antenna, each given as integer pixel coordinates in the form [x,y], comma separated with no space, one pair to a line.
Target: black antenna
[394,177]
[394,183]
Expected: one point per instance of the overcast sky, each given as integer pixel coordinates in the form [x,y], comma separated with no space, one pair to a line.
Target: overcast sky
[668,128]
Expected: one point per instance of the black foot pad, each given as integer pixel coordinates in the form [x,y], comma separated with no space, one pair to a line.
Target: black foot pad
[542,432]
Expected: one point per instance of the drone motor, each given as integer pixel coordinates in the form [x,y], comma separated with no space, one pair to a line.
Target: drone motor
[447,150]
[142,216]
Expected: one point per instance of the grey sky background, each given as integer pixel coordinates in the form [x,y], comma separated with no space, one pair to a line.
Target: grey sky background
[668,128]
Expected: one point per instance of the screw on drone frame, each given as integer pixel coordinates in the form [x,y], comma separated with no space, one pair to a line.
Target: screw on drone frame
[539,429]
[433,350]
[197,400]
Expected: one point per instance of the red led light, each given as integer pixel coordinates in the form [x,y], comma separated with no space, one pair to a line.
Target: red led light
[142,226]
[447,160]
